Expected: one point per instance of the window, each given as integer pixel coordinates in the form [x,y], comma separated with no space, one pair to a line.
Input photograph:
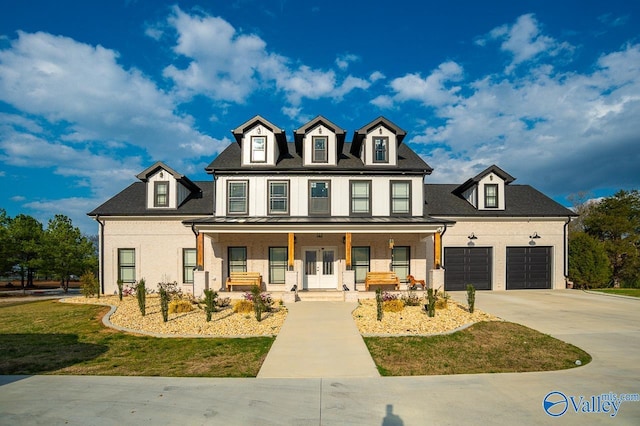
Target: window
[127,265]
[188,265]
[237,259]
[360,262]
[319,149]
[491,195]
[319,198]
[401,197]
[258,149]
[161,194]
[360,197]
[278,197]
[400,260]
[277,264]
[237,197]
[380,150]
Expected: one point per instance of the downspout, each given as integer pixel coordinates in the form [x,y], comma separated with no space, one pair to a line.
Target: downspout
[442,246]
[566,249]
[101,254]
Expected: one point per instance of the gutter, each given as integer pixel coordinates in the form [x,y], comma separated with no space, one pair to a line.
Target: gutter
[442,246]
[566,248]
[101,249]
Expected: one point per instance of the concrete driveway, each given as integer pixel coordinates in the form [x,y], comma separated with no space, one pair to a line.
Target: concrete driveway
[606,327]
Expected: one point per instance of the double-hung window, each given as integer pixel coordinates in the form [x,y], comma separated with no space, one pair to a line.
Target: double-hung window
[319,197]
[258,149]
[237,259]
[127,265]
[360,262]
[188,265]
[237,197]
[491,195]
[400,261]
[161,194]
[320,149]
[360,197]
[277,264]
[380,149]
[401,197]
[278,197]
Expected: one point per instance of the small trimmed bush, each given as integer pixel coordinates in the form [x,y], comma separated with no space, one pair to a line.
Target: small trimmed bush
[141,295]
[243,307]
[393,305]
[210,297]
[379,302]
[89,285]
[120,288]
[471,297]
[431,302]
[180,306]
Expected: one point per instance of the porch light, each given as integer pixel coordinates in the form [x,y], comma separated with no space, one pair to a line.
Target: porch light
[472,236]
[535,236]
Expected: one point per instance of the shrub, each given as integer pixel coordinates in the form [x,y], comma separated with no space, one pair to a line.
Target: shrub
[265,298]
[258,303]
[223,302]
[471,297]
[393,305]
[243,307]
[164,303]
[431,302]
[141,294]
[442,301]
[89,285]
[210,297]
[379,305]
[180,306]
[386,296]
[120,287]
[411,298]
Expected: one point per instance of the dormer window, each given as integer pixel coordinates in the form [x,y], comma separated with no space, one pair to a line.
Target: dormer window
[381,149]
[258,149]
[491,196]
[161,194]
[319,149]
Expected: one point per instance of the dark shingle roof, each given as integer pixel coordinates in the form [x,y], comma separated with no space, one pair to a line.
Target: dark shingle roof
[520,201]
[133,202]
[230,160]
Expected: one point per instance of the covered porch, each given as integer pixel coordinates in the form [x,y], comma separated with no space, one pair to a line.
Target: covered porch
[315,254]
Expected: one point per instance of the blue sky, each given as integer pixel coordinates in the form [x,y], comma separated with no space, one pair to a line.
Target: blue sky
[92,93]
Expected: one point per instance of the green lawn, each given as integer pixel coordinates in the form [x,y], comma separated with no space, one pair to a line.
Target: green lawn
[634,292]
[48,337]
[486,347]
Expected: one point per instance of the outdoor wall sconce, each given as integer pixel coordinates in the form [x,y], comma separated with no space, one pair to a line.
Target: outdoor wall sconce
[161,174]
[391,243]
[472,236]
[319,235]
[535,236]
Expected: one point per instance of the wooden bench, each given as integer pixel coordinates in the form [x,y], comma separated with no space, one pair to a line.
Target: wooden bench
[412,282]
[381,278]
[243,278]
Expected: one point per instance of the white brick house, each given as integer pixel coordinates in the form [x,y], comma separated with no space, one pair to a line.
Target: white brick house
[319,212]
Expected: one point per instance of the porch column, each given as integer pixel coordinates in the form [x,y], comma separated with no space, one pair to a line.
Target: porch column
[347,249]
[200,251]
[291,251]
[437,250]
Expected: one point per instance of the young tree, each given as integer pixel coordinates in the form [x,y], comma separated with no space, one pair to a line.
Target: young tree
[25,237]
[6,261]
[66,251]
[588,261]
[616,222]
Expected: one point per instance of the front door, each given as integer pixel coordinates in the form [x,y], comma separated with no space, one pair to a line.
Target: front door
[320,268]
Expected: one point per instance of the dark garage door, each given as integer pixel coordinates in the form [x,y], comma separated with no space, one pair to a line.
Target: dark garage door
[467,265]
[528,267]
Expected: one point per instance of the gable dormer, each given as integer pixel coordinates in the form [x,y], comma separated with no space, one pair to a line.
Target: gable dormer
[166,188]
[319,142]
[261,142]
[376,144]
[485,191]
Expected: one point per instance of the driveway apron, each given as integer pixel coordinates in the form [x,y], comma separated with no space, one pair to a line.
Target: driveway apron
[319,339]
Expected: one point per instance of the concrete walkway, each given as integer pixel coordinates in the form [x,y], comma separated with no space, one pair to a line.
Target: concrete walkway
[319,339]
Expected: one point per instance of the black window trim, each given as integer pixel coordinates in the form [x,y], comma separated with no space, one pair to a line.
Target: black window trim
[368,212]
[156,185]
[288,197]
[386,149]
[246,198]
[487,196]
[313,149]
[326,213]
[391,183]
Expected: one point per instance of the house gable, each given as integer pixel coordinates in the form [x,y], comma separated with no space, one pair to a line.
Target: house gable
[166,188]
[261,142]
[319,143]
[486,191]
[376,144]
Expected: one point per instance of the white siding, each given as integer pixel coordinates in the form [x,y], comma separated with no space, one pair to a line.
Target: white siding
[271,148]
[368,151]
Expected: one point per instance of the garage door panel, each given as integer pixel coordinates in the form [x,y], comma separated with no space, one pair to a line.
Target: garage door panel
[467,265]
[528,268]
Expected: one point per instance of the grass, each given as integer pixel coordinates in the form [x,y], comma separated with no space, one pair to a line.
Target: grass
[634,292]
[486,347]
[48,337]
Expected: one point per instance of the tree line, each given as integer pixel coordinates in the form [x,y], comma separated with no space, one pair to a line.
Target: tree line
[604,241]
[60,251]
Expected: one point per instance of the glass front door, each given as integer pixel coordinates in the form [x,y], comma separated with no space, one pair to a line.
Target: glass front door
[319,268]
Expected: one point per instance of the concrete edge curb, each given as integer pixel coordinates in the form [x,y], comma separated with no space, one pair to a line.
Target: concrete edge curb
[621,296]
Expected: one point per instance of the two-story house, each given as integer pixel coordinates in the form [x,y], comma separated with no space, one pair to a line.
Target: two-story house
[319,213]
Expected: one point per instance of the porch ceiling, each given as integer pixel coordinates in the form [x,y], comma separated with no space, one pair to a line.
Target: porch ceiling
[327,225]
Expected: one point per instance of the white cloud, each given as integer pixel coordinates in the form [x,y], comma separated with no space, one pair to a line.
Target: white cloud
[434,90]
[344,60]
